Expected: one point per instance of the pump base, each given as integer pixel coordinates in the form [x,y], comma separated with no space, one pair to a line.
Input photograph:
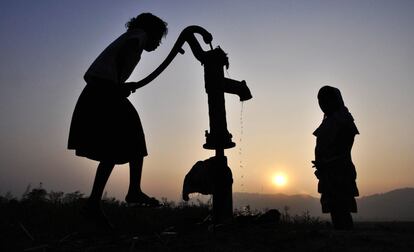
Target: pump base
[213,142]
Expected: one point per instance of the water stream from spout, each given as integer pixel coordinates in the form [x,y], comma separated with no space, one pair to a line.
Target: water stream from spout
[241,165]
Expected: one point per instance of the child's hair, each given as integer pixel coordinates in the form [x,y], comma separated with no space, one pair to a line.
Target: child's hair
[331,97]
[149,23]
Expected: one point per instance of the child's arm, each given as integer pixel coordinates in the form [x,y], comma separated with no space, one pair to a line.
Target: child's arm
[187,35]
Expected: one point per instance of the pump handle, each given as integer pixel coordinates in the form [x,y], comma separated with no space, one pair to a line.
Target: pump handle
[187,35]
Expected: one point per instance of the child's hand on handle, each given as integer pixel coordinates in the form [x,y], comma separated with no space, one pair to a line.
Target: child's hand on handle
[132,86]
[127,88]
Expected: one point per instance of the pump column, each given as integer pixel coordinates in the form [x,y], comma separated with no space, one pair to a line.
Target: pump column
[223,192]
[219,137]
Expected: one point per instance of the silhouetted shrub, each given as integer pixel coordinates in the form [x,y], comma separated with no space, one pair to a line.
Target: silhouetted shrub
[56,197]
[36,195]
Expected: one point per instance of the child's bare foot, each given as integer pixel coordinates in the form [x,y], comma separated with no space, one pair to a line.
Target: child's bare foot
[141,199]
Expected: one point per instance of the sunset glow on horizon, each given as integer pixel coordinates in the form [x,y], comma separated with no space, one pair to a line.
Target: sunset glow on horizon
[279,180]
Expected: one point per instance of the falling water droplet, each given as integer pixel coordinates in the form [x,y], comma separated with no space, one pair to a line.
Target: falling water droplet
[241,149]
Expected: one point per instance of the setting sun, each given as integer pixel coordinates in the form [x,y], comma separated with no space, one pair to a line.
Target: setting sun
[279,180]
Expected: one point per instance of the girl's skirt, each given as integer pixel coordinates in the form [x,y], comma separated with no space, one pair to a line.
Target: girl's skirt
[105,125]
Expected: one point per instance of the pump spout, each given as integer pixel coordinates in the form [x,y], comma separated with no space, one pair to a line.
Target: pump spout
[238,88]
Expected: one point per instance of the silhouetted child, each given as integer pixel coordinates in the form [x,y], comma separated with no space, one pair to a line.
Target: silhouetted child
[333,162]
[105,126]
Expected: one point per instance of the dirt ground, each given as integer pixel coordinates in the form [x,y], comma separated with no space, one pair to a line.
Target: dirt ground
[394,236]
[39,225]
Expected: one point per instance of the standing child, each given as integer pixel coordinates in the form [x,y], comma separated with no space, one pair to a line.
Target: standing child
[105,126]
[333,162]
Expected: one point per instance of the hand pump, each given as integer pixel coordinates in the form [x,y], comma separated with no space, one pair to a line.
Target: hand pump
[211,176]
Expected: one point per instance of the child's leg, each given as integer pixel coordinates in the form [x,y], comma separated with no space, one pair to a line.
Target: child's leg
[335,219]
[135,194]
[348,222]
[135,174]
[342,220]
[101,177]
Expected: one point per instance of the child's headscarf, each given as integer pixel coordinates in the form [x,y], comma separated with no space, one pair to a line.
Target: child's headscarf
[332,104]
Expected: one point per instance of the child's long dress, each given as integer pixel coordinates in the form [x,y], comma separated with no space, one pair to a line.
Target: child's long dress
[335,169]
[105,125]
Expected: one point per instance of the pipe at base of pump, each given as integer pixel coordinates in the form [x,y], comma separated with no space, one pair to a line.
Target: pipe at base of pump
[187,35]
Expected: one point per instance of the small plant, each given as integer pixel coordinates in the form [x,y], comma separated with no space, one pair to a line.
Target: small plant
[56,197]
[167,203]
[72,197]
[286,218]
